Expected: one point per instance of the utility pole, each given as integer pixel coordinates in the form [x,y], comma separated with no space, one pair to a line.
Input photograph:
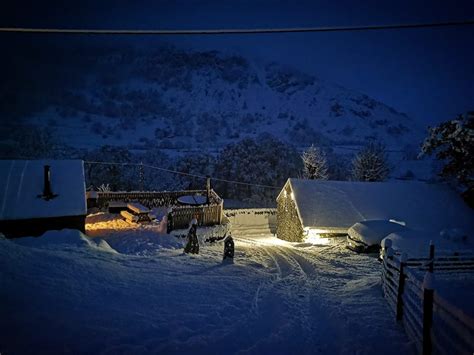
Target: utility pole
[141,176]
[208,189]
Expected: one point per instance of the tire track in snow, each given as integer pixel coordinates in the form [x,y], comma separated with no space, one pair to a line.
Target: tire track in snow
[303,285]
[267,283]
[295,288]
[286,293]
[322,315]
[319,293]
[308,281]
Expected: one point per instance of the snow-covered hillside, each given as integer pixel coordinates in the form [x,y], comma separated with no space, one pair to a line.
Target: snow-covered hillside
[181,99]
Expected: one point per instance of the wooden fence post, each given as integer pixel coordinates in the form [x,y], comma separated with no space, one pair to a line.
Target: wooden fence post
[386,244]
[432,250]
[428,296]
[401,286]
[387,253]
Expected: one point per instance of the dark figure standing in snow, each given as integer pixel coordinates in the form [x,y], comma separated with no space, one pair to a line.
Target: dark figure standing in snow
[192,245]
[229,248]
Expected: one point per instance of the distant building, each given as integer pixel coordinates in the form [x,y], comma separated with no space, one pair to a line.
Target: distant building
[306,207]
[41,195]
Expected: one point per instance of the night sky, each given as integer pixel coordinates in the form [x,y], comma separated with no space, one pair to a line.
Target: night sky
[427,73]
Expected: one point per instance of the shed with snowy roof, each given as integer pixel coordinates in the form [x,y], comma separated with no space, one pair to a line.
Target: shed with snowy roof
[41,195]
[306,207]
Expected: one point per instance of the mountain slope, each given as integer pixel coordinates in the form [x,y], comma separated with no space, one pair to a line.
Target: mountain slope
[193,100]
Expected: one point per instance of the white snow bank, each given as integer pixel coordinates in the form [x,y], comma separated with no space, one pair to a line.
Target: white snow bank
[143,243]
[63,238]
[416,243]
[457,289]
[454,234]
[22,182]
[50,238]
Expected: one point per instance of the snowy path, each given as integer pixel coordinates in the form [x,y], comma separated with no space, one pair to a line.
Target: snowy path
[326,292]
[143,295]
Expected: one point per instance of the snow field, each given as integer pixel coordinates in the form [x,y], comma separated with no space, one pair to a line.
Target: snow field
[135,291]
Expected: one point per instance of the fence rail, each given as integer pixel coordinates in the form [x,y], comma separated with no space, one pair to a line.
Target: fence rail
[431,321]
[206,214]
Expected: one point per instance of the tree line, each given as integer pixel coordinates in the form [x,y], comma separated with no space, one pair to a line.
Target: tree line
[264,160]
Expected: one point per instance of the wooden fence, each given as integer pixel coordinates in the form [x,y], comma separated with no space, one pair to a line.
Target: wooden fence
[435,325]
[207,214]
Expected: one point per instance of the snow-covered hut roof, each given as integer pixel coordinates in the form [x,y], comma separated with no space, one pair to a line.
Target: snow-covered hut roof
[22,183]
[336,205]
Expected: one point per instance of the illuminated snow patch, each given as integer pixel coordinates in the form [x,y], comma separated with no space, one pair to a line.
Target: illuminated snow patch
[313,237]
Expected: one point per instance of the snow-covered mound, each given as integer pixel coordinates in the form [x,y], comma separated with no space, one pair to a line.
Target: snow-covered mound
[65,237]
[415,243]
[143,242]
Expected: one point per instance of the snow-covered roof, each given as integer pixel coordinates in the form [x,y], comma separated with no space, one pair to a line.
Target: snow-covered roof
[22,181]
[337,205]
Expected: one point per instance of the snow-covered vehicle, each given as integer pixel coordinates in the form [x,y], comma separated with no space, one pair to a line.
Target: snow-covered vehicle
[366,236]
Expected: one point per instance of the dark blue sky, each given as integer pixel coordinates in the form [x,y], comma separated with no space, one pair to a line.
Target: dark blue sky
[427,73]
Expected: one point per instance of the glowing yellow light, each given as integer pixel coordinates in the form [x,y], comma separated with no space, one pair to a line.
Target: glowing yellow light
[313,237]
[292,195]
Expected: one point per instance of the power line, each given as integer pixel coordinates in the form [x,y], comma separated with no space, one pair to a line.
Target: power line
[235,31]
[335,147]
[183,173]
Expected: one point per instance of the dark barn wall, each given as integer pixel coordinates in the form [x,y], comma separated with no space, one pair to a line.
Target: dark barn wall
[37,226]
[288,223]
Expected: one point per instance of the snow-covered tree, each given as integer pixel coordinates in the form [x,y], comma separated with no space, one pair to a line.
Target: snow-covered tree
[315,165]
[453,143]
[104,188]
[154,179]
[195,164]
[264,160]
[370,164]
[119,176]
[32,142]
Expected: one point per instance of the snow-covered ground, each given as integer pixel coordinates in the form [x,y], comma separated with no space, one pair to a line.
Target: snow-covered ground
[133,290]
